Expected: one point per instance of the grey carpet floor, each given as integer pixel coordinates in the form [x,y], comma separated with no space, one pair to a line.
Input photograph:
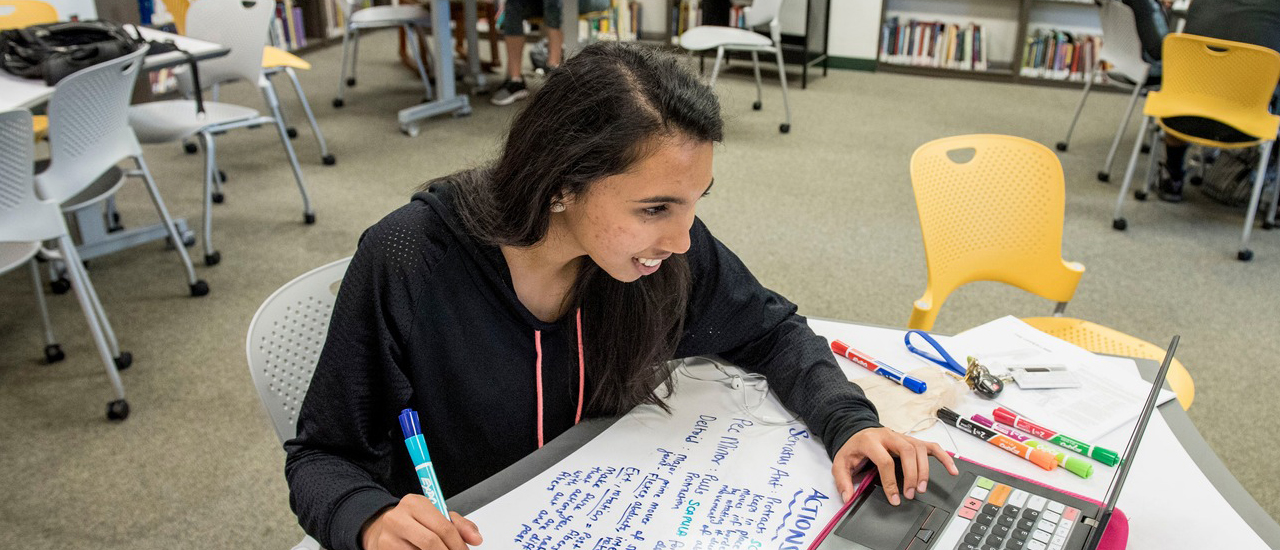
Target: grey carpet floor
[824,215]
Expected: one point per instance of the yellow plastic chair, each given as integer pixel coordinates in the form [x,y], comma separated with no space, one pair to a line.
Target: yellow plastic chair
[1223,81]
[991,209]
[16,14]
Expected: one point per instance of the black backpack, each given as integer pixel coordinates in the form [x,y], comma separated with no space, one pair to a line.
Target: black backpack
[55,50]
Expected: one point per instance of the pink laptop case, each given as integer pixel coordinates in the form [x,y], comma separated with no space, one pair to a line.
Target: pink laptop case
[1115,537]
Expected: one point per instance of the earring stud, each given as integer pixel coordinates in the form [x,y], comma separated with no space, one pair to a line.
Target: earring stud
[557,206]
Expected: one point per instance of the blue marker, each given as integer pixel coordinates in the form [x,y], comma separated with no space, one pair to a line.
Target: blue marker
[878,367]
[422,459]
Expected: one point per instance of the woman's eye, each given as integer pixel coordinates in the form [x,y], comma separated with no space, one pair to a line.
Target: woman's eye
[655,210]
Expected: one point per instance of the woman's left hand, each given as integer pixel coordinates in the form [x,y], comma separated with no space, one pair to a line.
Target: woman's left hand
[880,445]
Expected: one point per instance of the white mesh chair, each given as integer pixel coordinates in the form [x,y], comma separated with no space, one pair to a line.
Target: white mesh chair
[722,39]
[284,343]
[26,220]
[409,17]
[89,134]
[244,30]
[1122,48]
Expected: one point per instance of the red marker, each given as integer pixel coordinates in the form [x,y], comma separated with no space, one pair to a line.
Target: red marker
[867,362]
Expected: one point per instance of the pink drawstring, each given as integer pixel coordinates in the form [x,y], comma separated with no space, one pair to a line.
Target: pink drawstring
[582,370]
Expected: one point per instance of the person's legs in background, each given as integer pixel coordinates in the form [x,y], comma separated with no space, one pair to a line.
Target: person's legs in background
[1174,170]
[511,23]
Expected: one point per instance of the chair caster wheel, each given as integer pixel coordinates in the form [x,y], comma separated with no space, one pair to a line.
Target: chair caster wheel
[188,241]
[337,103]
[118,410]
[1268,225]
[1140,195]
[291,132]
[60,285]
[784,128]
[190,148]
[309,218]
[1145,148]
[124,361]
[351,82]
[1104,176]
[328,160]
[199,288]
[53,354]
[217,198]
[1244,255]
[1119,224]
[1061,145]
[222,176]
[212,259]
[1195,180]
[756,106]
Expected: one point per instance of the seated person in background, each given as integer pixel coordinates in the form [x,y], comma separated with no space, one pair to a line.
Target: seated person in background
[1250,21]
[511,22]
[508,302]
[1153,24]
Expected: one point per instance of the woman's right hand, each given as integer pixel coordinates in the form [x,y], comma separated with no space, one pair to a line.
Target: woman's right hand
[416,524]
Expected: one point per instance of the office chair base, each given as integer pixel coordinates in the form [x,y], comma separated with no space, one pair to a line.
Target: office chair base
[124,361]
[309,218]
[351,82]
[53,354]
[328,160]
[337,103]
[60,285]
[784,128]
[199,288]
[1104,176]
[217,198]
[190,148]
[292,132]
[212,259]
[1244,255]
[756,106]
[118,410]
[1061,145]
[1119,224]
[1140,195]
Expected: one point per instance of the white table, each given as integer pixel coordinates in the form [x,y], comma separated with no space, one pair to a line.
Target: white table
[1154,498]
[447,99]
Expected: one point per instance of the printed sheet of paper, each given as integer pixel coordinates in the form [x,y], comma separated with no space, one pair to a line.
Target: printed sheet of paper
[708,476]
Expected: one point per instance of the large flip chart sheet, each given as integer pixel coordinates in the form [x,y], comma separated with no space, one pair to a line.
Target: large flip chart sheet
[707,476]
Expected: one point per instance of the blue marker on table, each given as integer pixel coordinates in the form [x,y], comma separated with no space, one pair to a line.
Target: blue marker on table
[910,382]
[422,459]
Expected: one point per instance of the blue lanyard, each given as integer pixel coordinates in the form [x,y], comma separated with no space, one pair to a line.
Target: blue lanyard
[946,361]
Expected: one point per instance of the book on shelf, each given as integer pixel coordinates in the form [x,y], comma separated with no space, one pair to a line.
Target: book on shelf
[684,16]
[1056,54]
[933,44]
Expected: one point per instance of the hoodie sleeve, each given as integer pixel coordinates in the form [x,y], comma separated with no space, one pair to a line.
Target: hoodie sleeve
[732,315]
[342,445]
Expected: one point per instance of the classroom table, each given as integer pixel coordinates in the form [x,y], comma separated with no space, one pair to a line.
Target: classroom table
[95,237]
[446,98]
[1179,423]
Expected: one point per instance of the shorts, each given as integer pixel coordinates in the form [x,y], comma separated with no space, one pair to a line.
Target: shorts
[511,21]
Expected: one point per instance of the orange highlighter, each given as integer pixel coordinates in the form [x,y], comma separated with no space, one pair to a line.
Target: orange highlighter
[1038,457]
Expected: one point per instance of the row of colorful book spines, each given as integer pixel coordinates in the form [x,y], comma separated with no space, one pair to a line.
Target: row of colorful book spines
[289,38]
[1058,54]
[923,36]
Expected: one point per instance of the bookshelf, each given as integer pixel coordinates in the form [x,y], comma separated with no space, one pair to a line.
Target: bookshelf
[1043,42]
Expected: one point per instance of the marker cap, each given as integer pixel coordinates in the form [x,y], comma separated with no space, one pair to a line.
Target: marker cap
[1043,459]
[839,347]
[1105,456]
[1078,467]
[914,385]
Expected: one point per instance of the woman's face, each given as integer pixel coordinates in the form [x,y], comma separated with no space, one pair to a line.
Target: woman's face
[630,222]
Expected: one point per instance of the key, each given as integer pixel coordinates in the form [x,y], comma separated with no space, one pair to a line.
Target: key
[985,519]
[1018,497]
[1036,502]
[990,509]
[1063,529]
[1055,506]
[1026,524]
[978,529]
[1033,545]
[1001,530]
[994,540]
[973,538]
[1049,515]
[979,493]
[1006,521]
[1011,511]
[1041,536]
[1012,544]
[1030,514]
[1045,526]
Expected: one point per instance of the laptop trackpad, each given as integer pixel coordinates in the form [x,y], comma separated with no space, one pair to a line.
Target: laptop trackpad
[878,525]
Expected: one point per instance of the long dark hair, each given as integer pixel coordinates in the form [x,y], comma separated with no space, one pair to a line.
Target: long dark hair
[596,116]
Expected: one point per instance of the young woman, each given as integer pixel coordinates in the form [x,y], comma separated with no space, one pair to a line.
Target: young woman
[507,303]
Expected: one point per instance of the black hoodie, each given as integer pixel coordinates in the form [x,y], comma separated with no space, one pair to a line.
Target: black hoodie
[427,318]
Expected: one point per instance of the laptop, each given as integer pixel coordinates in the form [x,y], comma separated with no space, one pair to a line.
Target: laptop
[987,509]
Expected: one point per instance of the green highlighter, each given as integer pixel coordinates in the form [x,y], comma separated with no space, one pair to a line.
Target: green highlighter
[1010,418]
[1074,465]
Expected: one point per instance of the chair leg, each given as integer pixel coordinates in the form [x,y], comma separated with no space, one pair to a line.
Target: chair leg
[311,117]
[411,34]
[782,76]
[1088,83]
[1270,221]
[342,78]
[1117,219]
[308,215]
[355,54]
[1255,196]
[211,255]
[99,327]
[715,69]
[1105,173]
[52,351]
[1153,168]
[755,67]
[196,286]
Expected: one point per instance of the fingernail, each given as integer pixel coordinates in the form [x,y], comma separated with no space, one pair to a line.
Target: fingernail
[846,495]
[924,486]
[911,493]
[894,500]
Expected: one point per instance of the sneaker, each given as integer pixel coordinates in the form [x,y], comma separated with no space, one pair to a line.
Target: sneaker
[1170,190]
[510,92]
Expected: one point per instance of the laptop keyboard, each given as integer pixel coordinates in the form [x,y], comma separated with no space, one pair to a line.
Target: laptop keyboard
[995,516]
